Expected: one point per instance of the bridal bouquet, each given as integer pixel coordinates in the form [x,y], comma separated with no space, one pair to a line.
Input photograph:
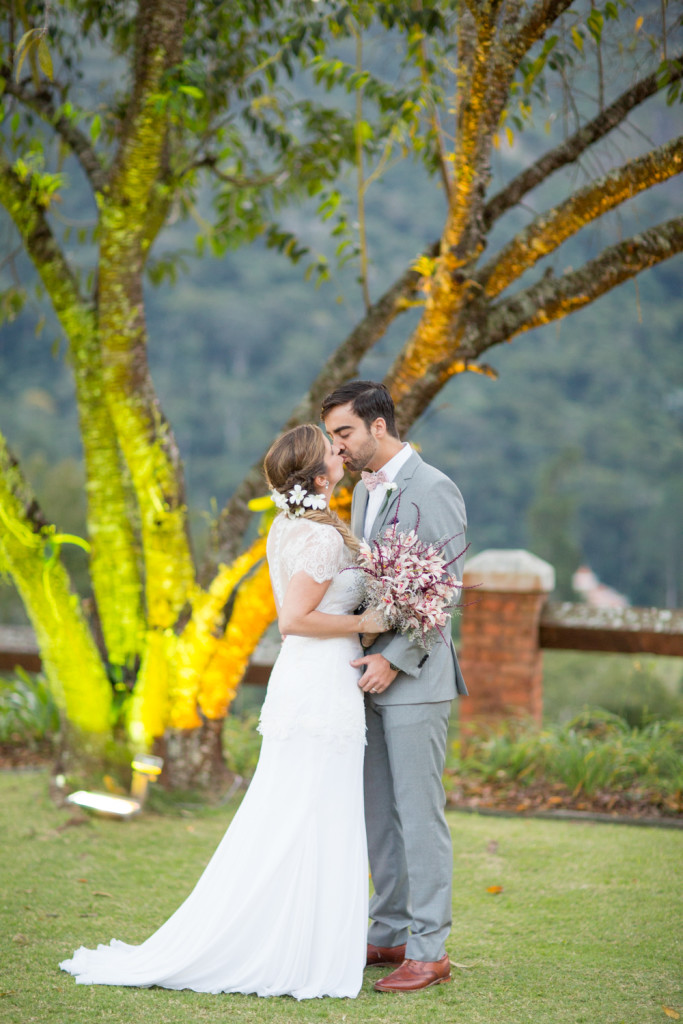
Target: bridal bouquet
[408,580]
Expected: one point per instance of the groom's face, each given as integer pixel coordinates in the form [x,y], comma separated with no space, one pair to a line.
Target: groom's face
[351,438]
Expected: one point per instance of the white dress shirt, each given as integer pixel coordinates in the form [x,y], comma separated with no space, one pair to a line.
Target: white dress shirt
[376,497]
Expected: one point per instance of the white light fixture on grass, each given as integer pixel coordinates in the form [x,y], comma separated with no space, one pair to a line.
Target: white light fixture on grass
[146,769]
[106,804]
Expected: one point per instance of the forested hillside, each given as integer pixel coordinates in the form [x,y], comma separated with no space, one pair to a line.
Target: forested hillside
[584,424]
[575,451]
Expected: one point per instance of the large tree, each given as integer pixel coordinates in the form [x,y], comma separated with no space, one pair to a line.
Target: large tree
[227,112]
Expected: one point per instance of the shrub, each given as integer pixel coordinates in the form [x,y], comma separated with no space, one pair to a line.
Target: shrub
[28,713]
[639,689]
[594,751]
[241,744]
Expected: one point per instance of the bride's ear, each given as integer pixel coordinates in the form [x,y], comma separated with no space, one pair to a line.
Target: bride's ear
[321,483]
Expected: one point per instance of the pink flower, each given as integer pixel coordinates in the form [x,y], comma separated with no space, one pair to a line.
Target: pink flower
[409,580]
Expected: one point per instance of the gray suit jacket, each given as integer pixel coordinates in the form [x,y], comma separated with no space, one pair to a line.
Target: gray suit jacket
[424,678]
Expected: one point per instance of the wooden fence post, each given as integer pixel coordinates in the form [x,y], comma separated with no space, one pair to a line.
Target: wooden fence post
[500,655]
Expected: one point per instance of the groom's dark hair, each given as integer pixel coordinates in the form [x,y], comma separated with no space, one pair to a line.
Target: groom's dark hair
[369,400]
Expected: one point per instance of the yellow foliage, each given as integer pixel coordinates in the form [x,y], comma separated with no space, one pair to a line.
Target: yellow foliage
[71,661]
[341,503]
[199,642]
[264,504]
[148,709]
[424,265]
[253,612]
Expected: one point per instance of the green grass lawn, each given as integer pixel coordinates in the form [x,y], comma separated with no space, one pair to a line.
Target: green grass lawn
[587,928]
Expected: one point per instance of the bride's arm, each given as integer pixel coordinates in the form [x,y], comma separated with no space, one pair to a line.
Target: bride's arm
[299,616]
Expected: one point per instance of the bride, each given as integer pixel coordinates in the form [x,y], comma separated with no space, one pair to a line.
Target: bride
[282,907]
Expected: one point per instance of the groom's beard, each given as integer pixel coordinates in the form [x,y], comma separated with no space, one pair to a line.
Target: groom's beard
[361,458]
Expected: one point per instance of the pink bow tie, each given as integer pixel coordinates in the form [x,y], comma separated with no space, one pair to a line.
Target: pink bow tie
[371,480]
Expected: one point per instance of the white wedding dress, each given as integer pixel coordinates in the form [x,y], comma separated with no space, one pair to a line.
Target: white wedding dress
[282,907]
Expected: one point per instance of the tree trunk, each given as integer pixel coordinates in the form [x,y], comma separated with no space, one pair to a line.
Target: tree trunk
[193,758]
[114,553]
[30,553]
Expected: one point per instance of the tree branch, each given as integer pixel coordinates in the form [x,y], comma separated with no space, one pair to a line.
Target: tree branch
[41,103]
[549,299]
[543,14]
[548,231]
[572,148]
[238,180]
[515,38]
[553,298]
[131,211]
[342,365]
[70,658]
[114,549]
[435,120]
[32,513]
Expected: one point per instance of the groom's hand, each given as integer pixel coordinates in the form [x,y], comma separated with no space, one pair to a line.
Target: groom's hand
[378,674]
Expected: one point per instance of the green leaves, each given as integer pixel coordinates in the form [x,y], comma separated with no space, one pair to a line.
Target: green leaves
[191,90]
[669,78]
[12,301]
[595,22]
[33,44]
[285,242]
[95,127]
[44,186]
[44,58]
[577,39]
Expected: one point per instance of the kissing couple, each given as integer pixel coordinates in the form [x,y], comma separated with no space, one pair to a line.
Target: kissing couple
[354,745]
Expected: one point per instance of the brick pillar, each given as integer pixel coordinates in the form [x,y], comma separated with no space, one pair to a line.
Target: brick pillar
[499,653]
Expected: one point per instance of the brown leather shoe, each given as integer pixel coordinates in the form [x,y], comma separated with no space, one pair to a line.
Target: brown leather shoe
[385,956]
[415,974]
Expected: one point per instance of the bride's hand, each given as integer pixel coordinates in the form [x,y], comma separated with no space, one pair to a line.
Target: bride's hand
[367,639]
[372,621]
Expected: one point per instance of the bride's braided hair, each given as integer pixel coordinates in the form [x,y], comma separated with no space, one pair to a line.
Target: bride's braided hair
[298,457]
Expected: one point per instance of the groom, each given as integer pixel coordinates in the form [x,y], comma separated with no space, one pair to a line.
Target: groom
[408,699]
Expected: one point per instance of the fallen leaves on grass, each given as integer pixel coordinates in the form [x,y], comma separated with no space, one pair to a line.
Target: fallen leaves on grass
[471,793]
[495,889]
[16,755]
[671,1013]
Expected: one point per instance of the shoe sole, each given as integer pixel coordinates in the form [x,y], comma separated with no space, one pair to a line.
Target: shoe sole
[437,981]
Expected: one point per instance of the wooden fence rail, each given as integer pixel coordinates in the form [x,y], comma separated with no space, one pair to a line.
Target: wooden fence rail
[19,649]
[578,627]
[506,624]
[510,621]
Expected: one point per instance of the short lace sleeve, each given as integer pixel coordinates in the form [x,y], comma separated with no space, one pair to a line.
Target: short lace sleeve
[301,545]
[313,548]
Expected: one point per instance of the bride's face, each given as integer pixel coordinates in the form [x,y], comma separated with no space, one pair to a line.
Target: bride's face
[334,466]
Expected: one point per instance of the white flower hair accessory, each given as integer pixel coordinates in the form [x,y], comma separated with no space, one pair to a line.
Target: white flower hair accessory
[297,495]
[298,499]
[280,500]
[315,501]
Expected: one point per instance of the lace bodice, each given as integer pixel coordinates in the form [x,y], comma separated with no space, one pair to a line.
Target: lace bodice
[301,545]
[313,689]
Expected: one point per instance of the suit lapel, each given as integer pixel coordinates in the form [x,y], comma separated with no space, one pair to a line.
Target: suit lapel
[358,507]
[402,480]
